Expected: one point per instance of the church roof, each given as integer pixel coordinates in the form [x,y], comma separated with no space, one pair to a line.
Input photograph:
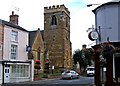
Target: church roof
[32,35]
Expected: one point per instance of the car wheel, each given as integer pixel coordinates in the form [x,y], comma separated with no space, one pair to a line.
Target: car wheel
[71,77]
[77,77]
[87,75]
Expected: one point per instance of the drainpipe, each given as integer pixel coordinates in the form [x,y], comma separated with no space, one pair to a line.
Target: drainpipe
[2,53]
[3,72]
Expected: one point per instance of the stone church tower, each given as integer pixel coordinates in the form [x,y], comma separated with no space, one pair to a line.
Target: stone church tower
[57,36]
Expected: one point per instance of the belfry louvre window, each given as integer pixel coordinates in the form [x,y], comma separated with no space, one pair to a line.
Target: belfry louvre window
[66,21]
[54,20]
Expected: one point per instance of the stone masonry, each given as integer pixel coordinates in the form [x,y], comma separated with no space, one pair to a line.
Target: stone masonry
[57,37]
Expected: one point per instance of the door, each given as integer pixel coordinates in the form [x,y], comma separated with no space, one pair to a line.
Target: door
[117,69]
[73,74]
[7,74]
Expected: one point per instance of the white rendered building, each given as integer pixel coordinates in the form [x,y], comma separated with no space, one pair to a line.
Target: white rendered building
[14,63]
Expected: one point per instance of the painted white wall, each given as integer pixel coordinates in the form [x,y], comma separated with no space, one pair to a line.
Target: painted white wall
[32,70]
[107,17]
[1,72]
[115,0]
[6,44]
[22,42]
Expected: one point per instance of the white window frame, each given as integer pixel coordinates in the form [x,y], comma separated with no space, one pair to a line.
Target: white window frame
[14,36]
[20,71]
[0,71]
[14,50]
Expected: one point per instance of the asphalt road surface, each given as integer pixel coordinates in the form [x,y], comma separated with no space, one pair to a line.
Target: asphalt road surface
[82,81]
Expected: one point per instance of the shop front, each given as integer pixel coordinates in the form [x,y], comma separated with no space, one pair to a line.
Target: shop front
[16,71]
[107,61]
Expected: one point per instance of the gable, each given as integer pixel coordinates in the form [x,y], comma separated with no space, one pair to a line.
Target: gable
[36,40]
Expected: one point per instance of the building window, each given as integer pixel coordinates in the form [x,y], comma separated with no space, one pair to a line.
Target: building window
[54,20]
[14,36]
[66,21]
[38,55]
[0,71]
[20,70]
[53,39]
[13,51]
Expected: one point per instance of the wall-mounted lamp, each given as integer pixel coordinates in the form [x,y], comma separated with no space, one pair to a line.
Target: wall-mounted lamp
[28,48]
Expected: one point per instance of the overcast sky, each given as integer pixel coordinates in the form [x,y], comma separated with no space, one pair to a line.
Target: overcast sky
[31,16]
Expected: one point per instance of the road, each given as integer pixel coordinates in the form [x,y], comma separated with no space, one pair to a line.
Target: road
[82,81]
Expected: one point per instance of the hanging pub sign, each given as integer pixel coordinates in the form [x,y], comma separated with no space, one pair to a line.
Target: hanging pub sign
[93,35]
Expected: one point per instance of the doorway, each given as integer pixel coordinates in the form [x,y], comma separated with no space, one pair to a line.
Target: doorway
[116,68]
[7,74]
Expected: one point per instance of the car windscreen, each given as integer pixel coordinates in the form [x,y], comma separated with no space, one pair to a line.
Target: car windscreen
[91,69]
[67,71]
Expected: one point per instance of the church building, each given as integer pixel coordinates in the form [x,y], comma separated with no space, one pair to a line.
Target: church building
[53,42]
[57,35]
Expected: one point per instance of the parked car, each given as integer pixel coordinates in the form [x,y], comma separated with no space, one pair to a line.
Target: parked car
[90,71]
[70,74]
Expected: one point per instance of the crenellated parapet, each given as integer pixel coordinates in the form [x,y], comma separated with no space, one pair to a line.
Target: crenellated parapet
[56,8]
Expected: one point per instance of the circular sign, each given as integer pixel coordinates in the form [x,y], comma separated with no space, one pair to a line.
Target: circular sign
[93,35]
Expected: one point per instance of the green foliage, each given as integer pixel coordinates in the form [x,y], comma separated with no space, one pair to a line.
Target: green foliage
[88,56]
[84,57]
[43,75]
[46,65]
[76,56]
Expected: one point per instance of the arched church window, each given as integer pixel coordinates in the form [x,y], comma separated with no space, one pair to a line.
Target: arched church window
[54,20]
[38,54]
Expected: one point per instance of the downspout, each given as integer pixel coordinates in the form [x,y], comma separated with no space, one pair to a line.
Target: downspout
[2,53]
[3,72]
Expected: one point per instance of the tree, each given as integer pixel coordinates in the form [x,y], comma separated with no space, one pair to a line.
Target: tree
[84,57]
[88,57]
[76,56]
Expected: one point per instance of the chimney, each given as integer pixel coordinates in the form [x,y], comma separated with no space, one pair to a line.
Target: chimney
[84,46]
[14,18]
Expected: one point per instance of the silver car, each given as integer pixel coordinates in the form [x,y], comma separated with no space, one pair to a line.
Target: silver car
[69,74]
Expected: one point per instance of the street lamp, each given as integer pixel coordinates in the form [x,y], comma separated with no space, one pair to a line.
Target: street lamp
[89,5]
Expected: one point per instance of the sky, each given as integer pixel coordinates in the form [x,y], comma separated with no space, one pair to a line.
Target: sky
[31,16]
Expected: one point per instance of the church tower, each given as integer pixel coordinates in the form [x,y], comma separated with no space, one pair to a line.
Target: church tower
[57,36]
